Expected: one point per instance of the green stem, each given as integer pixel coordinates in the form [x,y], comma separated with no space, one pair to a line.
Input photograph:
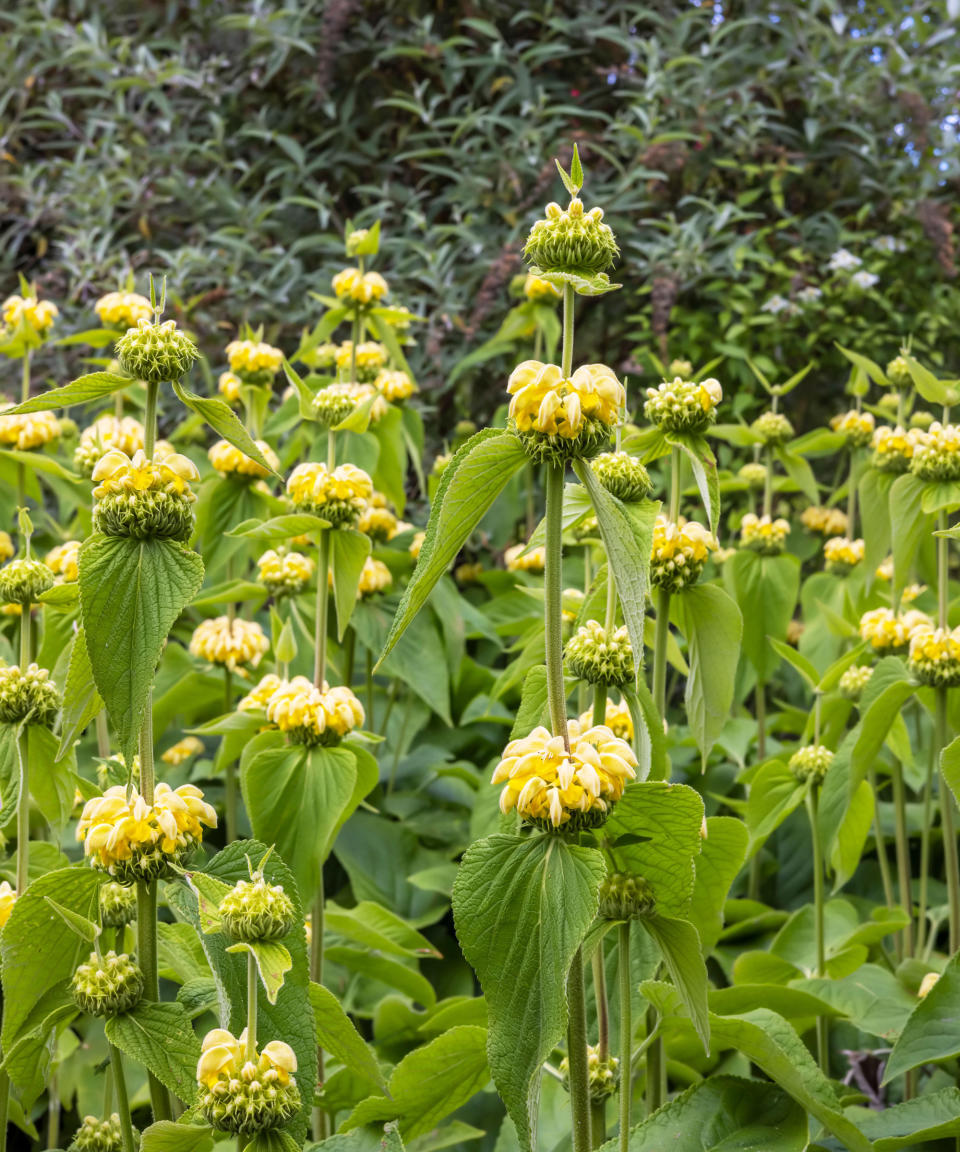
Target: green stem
[147,960]
[21,469]
[902,842]
[369,684]
[123,1100]
[4,1108]
[674,485]
[599,703]
[566,362]
[925,838]
[626,1031]
[852,495]
[150,420]
[823,1055]
[23,750]
[331,449]
[230,799]
[885,875]
[577,1056]
[553,601]
[323,602]
[253,988]
[103,735]
[760,707]
[947,822]
[349,653]
[53,1112]
[661,637]
[768,484]
[656,1065]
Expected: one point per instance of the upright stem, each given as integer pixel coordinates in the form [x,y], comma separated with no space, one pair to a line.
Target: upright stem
[230,799]
[821,969]
[656,1066]
[948,822]
[23,813]
[349,651]
[253,988]
[331,449]
[147,960]
[598,1108]
[123,1101]
[884,864]
[674,485]
[661,637]
[368,677]
[150,420]
[577,1056]
[760,707]
[625,981]
[21,469]
[553,599]
[599,703]
[566,363]
[323,601]
[103,735]
[767,483]
[903,855]
[852,495]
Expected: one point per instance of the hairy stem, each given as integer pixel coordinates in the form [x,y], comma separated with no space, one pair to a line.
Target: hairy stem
[823,1052]
[123,1100]
[320,1125]
[230,799]
[625,982]
[253,989]
[902,842]
[150,420]
[553,602]
[323,602]
[577,1057]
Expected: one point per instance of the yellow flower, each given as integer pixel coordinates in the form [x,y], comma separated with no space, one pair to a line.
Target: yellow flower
[117,473]
[683,405]
[886,630]
[934,656]
[763,534]
[36,314]
[124,835]
[885,570]
[285,572]
[534,560]
[229,460]
[257,698]
[855,427]
[182,751]
[314,715]
[893,448]
[551,787]
[362,288]
[371,357]
[374,577]
[229,386]
[825,521]
[543,402]
[6,547]
[536,288]
[338,495]
[841,553]
[30,431]
[378,523]
[7,900]
[679,553]
[230,643]
[253,357]
[927,985]
[617,719]
[936,452]
[468,573]
[395,386]
[123,309]
[63,560]
[416,544]
[126,434]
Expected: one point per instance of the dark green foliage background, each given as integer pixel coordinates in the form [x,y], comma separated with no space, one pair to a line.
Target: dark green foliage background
[227,144]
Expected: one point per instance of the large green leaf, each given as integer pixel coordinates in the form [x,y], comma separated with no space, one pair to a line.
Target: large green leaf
[654,832]
[81,700]
[723,1114]
[874,507]
[131,593]
[911,1123]
[774,794]
[169,1136]
[887,691]
[771,1043]
[470,483]
[38,949]
[161,1038]
[933,1030]
[349,550]
[291,1018]
[766,590]
[721,857]
[429,1083]
[337,1035]
[680,948]
[224,421]
[712,625]
[908,525]
[93,386]
[704,465]
[296,798]
[627,532]
[522,906]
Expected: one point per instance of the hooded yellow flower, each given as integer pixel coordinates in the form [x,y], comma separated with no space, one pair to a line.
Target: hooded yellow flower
[362,288]
[583,407]
[229,643]
[338,495]
[230,461]
[314,715]
[123,310]
[63,561]
[30,431]
[36,314]
[517,560]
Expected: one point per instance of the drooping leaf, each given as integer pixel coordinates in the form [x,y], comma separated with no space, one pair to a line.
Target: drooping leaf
[349,550]
[680,948]
[224,421]
[932,1032]
[162,1039]
[766,590]
[722,854]
[93,386]
[337,1035]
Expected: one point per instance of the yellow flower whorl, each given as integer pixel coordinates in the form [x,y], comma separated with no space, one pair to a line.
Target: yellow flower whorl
[122,310]
[683,405]
[763,534]
[246,1092]
[679,554]
[824,521]
[253,361]
[182,751]
[843,554]
[562,419]
[63,561]
[518,560]
[230,461]
[32,430]
[856,427]
[38,315]
[229,643]
[311,715]
[934,656]
[285,573]
[893,448]
[337,495]
[144,498]
[395,386]
[361,288]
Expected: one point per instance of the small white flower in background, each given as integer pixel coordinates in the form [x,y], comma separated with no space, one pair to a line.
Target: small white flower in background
[809,293]
[890,244]
[842,261]
[864,279]
[777,304]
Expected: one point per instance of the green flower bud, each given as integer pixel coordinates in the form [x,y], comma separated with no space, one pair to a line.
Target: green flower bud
[107,986]
[682,368]
[683,405]
[898,373]
[333,405]
[145,515]
[921,419]
[622,476]
[754,474]
[24,581]
[118,904]
[603,1076]
[255,910]
[626,897]
[599,659]
[854,680]
[29,695]
[811,763]
[156,353]
[773,428]
[571,240]
[95,1135]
